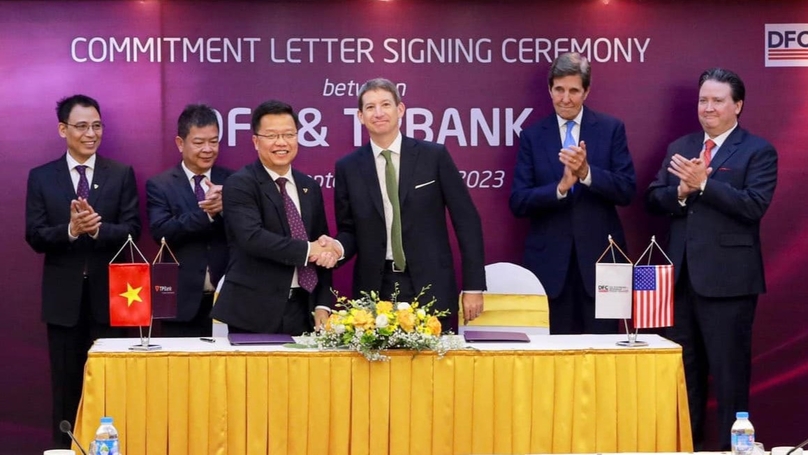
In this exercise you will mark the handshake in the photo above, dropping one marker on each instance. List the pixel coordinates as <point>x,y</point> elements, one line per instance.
<point>325,252</point>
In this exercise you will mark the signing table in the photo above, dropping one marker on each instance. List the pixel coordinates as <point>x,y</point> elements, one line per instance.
<point>556,394</point>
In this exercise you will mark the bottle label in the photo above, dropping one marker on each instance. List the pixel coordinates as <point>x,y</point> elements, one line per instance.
<point>106,447</point>
<point>743,442</point>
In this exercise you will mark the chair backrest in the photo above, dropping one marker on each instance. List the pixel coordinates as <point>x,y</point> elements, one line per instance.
<point>515,301</point>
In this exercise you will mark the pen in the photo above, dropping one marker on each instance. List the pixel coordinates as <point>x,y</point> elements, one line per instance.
<point>208,340</point>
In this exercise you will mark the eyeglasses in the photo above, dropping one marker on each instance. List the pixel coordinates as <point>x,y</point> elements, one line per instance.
<point>275,136</point>
<point>83,127</point>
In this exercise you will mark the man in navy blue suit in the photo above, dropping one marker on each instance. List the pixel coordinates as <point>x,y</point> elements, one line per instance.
<point>572,170</point>
<point>715,185</point>
<point>184,205</point>
<point>79,210</point>
<point>277,277</point>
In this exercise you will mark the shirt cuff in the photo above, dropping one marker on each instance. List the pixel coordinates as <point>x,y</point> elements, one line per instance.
<point>308,253</point>
<point>472,292</point>
<point>561,196</point>
<point>588,179</point>
<point>322,307</point>
<point>69,235</point>
<point>341,248</point>
<point>703,185</point>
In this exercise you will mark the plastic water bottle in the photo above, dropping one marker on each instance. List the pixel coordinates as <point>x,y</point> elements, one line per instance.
<point>106,439</point>
<point>742,435</point>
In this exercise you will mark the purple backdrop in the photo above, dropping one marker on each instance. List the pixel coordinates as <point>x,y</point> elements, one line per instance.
<point>473,76</point>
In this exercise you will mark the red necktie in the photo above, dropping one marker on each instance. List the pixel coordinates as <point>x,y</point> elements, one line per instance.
<point>306,275</point>
<point>708,152</point>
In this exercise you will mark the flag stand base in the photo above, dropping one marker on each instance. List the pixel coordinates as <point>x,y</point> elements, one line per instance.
<point>632,344</point>
<point>145,347</point>
<point>632,341</point>
<point>145,344</point>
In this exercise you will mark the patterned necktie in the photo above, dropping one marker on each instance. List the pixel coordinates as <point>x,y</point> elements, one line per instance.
<point>392,193</point>
<point>306,274</point>
<point>83,188</point>
<point>708,152</point>
<point>198,190</point>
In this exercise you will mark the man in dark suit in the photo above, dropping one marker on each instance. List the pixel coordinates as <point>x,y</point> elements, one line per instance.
<point>715,185</point>
<point>572,170</point>
<point>275,221</point>
<point>79,210</point>
<point>405,240</point>
<point>184,206</point>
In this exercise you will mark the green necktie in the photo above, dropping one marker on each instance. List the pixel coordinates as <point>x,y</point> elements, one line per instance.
<point>392,194</point>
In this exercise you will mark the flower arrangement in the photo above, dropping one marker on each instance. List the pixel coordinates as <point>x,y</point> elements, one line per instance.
<point>370,326</point>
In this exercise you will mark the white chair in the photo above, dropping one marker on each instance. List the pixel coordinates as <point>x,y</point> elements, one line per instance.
<point>219,328</point>
<point>514,302</point>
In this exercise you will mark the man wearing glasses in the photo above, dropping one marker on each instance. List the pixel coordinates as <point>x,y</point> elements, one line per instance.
<point>275,218</point>
<point>79,210</point>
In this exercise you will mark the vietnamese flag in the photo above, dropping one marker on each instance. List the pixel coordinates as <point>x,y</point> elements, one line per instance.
<point>129,295</point>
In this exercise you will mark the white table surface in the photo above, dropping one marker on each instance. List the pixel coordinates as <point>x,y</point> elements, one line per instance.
<point>537,343</point>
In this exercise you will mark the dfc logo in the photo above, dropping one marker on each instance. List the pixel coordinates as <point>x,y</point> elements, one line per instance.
<point>786,44</point>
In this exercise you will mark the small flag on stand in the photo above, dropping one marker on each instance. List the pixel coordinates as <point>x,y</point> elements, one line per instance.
<point>653,296</point>
<point>613,284</point>
<point>165,284</point>
<point>129,295</point>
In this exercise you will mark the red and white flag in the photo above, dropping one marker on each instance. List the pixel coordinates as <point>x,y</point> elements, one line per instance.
<point>653,296</point>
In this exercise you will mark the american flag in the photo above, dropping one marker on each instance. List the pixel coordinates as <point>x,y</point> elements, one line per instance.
<point>653,296</point>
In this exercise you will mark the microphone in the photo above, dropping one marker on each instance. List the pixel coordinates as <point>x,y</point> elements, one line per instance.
<point>65,427</point>
<point>802,444</point>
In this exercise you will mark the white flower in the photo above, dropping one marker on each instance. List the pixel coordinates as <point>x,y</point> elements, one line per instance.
<point>381,321</point>
<point>339,328</point>
<point>403,306</point>
<point>421,313</point>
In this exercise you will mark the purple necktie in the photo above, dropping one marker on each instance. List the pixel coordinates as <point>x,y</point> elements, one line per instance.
<point>83,188</point>
<point>306,274</point>
<point>200,193</point>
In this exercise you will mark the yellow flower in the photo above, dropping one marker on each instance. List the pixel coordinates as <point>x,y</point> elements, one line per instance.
<point>384,307</point>
<point>406,319</point>
<point>363,319</point>
<point>434,325</point>
<point>332,321</point>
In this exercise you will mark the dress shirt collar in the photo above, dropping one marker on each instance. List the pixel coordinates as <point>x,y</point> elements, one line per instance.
<point>274,175</point>
<point>563,122</point>
<point>719,140</point>
<point>72,163</point>
<point>395,147</point>
<point>189,174</point>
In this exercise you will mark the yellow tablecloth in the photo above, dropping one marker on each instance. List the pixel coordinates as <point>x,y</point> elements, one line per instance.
<point>218,400</point>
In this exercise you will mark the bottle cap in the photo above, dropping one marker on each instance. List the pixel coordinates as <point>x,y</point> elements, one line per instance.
<point>106,420</point>
<point>741,415</point>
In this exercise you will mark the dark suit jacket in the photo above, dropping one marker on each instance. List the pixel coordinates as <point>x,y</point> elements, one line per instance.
<point>198,243</point>
<point>587,216</point>
<point>719,231</point>
<point>429,183</point>
<point>263,254</point>
<point>113,195</point>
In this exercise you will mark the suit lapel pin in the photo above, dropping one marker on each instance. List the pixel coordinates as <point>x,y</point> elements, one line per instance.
<point>95,186</point>
<point>305,190</point>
